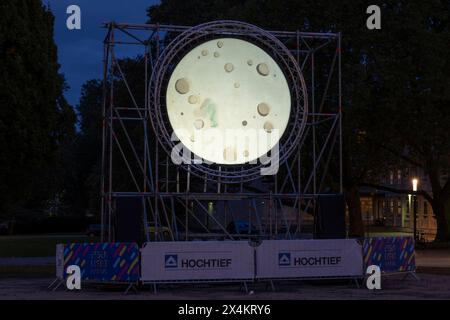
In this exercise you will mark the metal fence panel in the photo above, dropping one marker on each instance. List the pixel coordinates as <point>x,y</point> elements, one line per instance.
<point>391,254</point>
<point>309,259</point>
<point>197,261</point>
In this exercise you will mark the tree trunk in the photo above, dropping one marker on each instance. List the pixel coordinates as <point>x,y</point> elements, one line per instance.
<point>438,206</point>
<point>440,197</point>
<point>352,198</point>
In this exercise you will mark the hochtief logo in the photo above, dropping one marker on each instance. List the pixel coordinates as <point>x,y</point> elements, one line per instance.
<point>284,259</point>
<point>171,261</point>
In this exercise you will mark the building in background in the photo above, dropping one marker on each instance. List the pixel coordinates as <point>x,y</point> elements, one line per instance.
<point>385,212</point>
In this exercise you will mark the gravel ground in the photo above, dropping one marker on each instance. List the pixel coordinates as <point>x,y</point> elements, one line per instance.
<point>430,286</point>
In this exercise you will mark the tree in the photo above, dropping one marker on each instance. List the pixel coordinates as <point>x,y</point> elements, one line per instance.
<point>393,79</point>
<point>82,182</point>
<point>35,119</point>
<point>413,76</point>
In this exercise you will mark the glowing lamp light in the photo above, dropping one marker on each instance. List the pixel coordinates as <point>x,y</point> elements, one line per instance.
<point>415,182</point>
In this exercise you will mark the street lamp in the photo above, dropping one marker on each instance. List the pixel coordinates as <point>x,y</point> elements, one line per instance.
<point>415,182</point>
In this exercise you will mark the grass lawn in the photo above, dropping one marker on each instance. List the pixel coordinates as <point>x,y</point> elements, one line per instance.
<point>386,231</point>
<point>37,245</point>
<point>7,271</point>
<point>389,234</point>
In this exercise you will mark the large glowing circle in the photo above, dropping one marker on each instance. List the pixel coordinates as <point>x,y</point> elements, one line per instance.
<point>228,101</point>
<point>230,86</point>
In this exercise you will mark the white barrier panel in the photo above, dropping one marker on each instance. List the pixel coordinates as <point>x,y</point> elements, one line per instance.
<point>197,260</point>
<point>309,258</point>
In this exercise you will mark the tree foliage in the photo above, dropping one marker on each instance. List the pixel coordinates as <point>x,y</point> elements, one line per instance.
<point>83,188</point>
<point>82,182</point>
<point>394,81</point>
<point>35,119</point>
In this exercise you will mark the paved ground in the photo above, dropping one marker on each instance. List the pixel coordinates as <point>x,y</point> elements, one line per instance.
<point>433,258</point>
<point>434,284</point>
<point>430,286</point>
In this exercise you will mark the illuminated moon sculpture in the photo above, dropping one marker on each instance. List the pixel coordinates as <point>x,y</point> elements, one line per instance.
<point>231,93</point>
<point>222,91</point>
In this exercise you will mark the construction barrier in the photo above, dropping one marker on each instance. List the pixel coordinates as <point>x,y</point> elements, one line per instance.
<point>192,261</point>
<point>104,262</point>
<point>197,261</point>
<point>282,259</point>
<point>391,254</point>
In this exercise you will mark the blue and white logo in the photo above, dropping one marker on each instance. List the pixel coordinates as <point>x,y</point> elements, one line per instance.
<point>171,261</point>
<point>284,259</point>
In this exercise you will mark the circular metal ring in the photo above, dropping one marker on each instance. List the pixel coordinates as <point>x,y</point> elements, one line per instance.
<point>274,47</point>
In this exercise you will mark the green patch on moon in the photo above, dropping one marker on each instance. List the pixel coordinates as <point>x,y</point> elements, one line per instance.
<point>209,109</point>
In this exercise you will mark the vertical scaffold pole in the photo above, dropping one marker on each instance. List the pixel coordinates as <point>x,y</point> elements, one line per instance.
<point>341,188</point>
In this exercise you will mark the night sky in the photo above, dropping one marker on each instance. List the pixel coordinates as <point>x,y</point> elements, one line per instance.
<point>80,52</point>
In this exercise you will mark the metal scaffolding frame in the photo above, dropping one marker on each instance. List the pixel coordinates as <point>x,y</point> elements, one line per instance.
<point>173,198</point>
